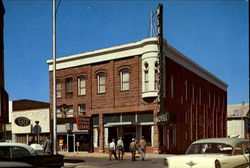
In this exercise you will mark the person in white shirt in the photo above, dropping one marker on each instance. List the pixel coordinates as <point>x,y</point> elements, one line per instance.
<point>120,148</point>
<point>112,149</point>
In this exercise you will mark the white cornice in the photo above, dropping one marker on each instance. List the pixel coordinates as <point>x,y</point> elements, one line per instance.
<point>134,49</point>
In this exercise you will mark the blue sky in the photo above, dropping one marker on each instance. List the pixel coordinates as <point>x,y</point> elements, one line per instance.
<point>214,34</point>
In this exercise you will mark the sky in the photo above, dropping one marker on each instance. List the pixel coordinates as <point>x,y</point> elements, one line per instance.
<point>214,34</point>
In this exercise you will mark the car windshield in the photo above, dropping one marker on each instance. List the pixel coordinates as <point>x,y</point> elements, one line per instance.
<point>210,148</point>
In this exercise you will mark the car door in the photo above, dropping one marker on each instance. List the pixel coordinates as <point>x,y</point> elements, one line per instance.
<point>238,159</point>
<point>5,157</point>
<point>18,156</point>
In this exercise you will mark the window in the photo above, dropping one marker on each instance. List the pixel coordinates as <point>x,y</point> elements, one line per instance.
<point>18,152</point>
<point>156,79</point>
<point>124,74</point>
<point>81,84</point>
<point>186,90</point>
<point>101,82</point>
<point>146,81</point>
<point>81,109</point>
<point>68,85</point>
<point>172,87</point>
<point>70,113</point>
<point>58,88</point>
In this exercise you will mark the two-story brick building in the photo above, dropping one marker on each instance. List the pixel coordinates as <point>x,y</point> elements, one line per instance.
<point>118,88</point>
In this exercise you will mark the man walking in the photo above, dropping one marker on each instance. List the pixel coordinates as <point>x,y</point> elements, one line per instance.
<point>133,148</point>
<point>143,147</point>
<point>112,149</point>
<point>47,146</point>
<point>120,148</point>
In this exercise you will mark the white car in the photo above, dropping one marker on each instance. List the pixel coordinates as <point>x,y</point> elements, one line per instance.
<point>213,153</point>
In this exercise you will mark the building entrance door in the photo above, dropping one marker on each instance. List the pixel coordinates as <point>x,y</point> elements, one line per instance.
<point>129,132</point>
<point>70,143</point>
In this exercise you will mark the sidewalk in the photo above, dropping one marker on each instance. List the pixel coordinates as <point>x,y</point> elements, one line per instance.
<point>106,155</point>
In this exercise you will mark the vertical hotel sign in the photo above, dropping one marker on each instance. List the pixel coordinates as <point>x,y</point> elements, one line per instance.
<point>163,117</point>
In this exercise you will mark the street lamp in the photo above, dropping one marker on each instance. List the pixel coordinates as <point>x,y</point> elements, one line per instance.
<point>64,109</point>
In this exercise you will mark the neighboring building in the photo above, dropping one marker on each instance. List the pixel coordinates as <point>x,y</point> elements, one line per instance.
<point>24,115</point>
<point>3,94</point>
<point>118,88</point>
<point>238,120</point>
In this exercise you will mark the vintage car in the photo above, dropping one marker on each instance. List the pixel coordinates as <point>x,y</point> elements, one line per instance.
<point>213,153</point>
<point>22,155</point>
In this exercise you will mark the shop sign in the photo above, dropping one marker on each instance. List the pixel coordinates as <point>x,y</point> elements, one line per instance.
<point>22,121</point>
<point>164,118</point>
<point>83,122</point>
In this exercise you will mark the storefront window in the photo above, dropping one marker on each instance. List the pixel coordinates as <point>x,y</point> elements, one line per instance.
<point>111,118</point>
<point>82,142</point>
<point>145,117</point>
<point>146,132</point>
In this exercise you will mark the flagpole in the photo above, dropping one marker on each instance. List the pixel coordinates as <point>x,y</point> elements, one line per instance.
<point>54,80</point>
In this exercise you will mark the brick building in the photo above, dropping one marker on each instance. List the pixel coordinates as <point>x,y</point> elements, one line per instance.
<point>3,93</point>
<point>117,88</point>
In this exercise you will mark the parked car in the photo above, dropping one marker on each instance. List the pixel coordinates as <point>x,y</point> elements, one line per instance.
<point>213,153</point>
<point>22,155</point>
<point>38,148</point>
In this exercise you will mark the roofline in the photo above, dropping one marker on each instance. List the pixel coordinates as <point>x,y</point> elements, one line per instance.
<point>134,49</point>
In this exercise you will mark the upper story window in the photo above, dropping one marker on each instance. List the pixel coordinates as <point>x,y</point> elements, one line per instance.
<point>58,88</point>
<point>124,74</point>
<point>81,85</point>
<point>81,109</point>
<point>68,85</point>
<point>101,82</point>
<point>146,80</point>
<point>186,90</point>
<point>172,87</point>
<point>156,75</point>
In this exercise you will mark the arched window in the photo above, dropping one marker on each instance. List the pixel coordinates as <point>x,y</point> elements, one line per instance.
<point>101,82</point>
<point>68,85</point>
<point>124,74</point>
<point>81,85</point>
<point>146,79</point>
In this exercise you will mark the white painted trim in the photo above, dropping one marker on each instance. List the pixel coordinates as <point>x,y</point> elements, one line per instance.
<point>134,49</point>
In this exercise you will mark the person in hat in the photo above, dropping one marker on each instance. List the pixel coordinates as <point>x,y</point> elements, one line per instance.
<point>143,147</point>
<point>133,147</point>
<point>120,148</point>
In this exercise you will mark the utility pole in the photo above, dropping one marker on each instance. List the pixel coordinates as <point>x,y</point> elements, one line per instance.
<point>54,80</point>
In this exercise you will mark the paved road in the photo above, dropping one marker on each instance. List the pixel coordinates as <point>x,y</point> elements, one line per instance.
<point>93,162</point>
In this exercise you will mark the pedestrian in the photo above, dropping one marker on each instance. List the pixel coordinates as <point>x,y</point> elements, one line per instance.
<point>47,146</point>
<point>120,148</point>
<point>112,149</point>
<point>61,143</point>
<point>133,147</point>
<point>143,148</point>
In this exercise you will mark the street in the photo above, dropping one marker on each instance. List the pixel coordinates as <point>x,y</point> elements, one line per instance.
<point>94,162</point>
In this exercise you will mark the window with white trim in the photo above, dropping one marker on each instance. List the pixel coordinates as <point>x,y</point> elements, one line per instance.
<point>124,75</point>
<point>101,82</point>
<point>70,113</point>
<point>146,81</point>
<point>58,88</point>
<point>81,109</point>
<point>81,84</point>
